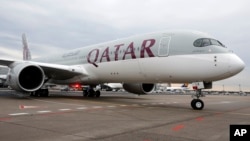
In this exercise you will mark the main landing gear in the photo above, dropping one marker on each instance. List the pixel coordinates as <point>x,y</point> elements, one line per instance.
<point>40,92</point>
<point>196,103</point>
<point>91,92</point>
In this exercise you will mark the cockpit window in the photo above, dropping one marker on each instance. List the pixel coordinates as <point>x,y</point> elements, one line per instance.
<point>198,43</point>
<point>203,42</point>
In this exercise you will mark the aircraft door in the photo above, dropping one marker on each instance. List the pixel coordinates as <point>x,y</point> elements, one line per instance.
<point>164,46</point>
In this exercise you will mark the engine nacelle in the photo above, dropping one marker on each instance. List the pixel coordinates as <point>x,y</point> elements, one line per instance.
<point>139,88</point>
<point>25,77</point>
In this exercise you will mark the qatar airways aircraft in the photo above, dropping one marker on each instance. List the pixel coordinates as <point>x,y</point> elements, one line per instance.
<point>138,62</point>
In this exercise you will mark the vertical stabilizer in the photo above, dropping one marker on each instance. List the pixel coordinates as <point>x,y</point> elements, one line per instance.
<point>26,51</point>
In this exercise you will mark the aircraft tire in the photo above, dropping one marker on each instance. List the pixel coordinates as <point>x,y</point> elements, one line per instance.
<point>36,94</point>
<point>91,93</point>
<point>97,93</point>
<point>197,104</point>
<point>46,93</point>
<point>85,93</point>
<point>32,94</point>
<point>192,103</point>
<point>43,92</point>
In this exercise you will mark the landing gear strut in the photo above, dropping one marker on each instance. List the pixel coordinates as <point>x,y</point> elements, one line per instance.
<point>90,92</point>
<point>196,103</point>
<point>40,92</point>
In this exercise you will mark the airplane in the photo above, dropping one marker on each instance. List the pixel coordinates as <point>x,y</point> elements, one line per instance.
<point>182,88</point>
<point>138,62</point>
<point>3,76</point>
<point>26,56</point>
<point>112,86</point>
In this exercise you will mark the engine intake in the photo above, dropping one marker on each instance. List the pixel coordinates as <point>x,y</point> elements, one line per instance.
<point>139,88</point>
<point>26,77</point>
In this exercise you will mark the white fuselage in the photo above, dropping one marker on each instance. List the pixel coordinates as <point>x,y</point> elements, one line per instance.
<point>152,58</point>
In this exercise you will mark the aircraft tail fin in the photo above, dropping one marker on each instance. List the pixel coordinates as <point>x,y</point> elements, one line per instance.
<point>26,51</point>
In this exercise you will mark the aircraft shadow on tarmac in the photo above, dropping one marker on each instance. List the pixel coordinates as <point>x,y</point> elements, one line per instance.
<point>110,98</point>
<point>58,95</point>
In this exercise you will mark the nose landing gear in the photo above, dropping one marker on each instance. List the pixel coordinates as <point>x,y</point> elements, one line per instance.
<point>196,103</point>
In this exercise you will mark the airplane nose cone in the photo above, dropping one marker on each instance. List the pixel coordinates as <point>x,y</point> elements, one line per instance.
<point>236,65</point>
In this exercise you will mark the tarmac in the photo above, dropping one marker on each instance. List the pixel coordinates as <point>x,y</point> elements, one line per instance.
<point>119,116</point>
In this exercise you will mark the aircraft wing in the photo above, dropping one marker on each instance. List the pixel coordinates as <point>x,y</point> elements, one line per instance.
<point>6,62</point>
<point>61,72</point>
<point>3,77</point>
<point>54,71</point>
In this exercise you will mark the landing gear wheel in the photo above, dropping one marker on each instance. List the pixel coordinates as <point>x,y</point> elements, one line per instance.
<point>32,93</point>
<point>85,93</point>
<point>97,94</point>
<point>197,104</point>
<point>45,93</point>
<point>40,93</point>
<point>91,93</point>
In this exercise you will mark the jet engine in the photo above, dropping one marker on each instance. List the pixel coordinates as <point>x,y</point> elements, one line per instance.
<point>25,77</point>
<point>139,88</point>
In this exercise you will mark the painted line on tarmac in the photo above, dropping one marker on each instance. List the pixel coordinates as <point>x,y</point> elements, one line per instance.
<point>81,108</point>
<point>123,105</point>
<point>62,103</point>
<point>18,114</point>
<point>97,107</point>
<point>135,105</point>
<point>178,127</point>
<point>111,106</point>
<point>239,114</point>
<point>21,107</point>
<point>42,112</point>
<point>65,109</point>
<point>5,119</point>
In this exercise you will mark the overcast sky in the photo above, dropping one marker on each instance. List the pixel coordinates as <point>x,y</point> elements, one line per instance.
<point>55,25</point>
